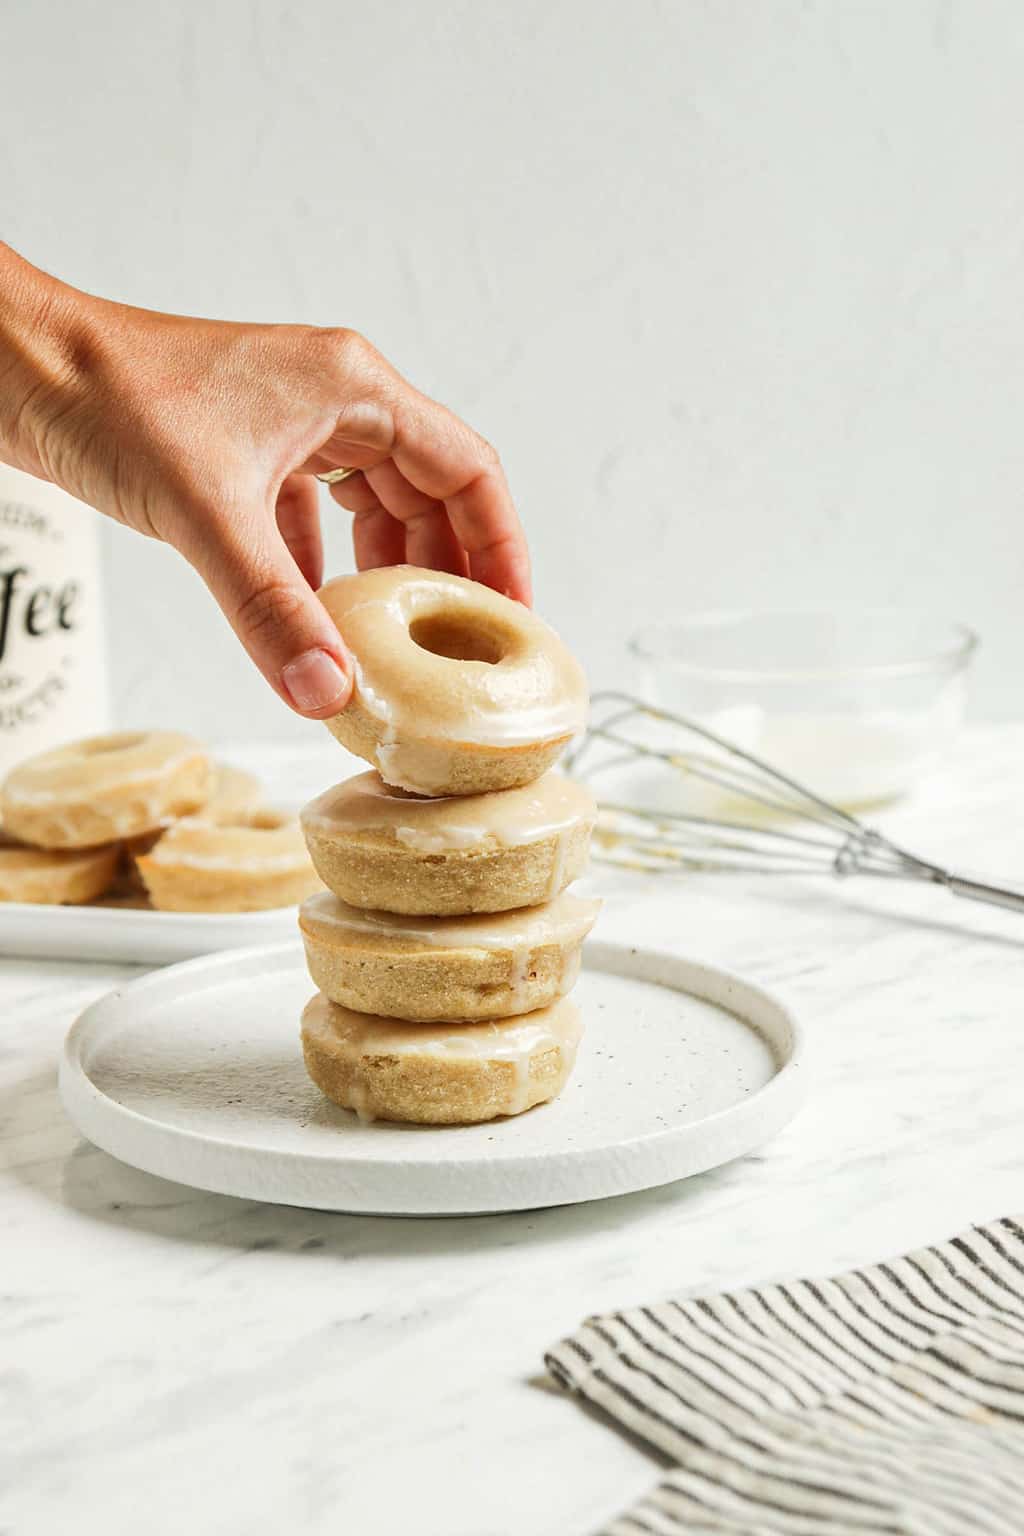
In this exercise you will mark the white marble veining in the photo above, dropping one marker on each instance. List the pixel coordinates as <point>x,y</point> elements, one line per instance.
<point>179,1361</point>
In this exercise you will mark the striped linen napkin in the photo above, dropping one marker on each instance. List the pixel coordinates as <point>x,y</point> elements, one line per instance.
<point>890,1399</point>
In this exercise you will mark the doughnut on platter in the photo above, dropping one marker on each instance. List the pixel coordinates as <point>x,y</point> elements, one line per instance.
<point>122,928</point>
<point>192,1074</point>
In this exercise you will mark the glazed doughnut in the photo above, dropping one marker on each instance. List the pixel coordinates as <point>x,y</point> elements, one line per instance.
<point>453,1074</point>
<point>241,866</point>
<point>458,690</point>
<point>456,968</point>
<point>375,846</point>
<point>234,793</point>
<point>105,788</point>
<point>53,877</point>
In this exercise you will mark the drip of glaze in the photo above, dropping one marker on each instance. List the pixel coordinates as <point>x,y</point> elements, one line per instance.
<point>552,806</point>
<point>508,1039</point>
<point>520,1096</point>
<point>452,840</point>
<point>564,919</point>
<point>360,1100</point>
<point>512,1041</point>
<point>519,972</point>
<point>571,961</point>
<point>558,858</point>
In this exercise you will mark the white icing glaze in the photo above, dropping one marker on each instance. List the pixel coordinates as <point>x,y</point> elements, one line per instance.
<point>82,769</point>
<point>271,843</point>
<point>558,868</point>
<point>395,763</point>
<point>19,794</point>
<point>276,864</point>
<point>452,839</point>
<point>120,820</point>
<point>572,959</point>
<point>234,792</point>
<point>566,919</point>
<point>437,687</point>
<point>552,806</point>
<point>514,1039</point>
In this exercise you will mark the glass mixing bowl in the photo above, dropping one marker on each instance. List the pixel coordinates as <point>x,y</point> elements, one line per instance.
<point>858,703</point>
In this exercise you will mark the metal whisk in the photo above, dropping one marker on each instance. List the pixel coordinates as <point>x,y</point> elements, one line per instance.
<point>803,834</point>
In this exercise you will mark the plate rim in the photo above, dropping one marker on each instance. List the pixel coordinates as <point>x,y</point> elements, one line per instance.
<point>774,1102</point>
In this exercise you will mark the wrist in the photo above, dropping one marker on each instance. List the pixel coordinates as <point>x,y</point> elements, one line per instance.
<point>43,330</point>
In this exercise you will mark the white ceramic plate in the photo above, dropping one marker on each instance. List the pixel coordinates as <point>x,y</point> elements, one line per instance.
<point>195,1073</point>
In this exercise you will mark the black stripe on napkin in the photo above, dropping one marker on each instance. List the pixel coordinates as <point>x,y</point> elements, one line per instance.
<point>885,1402</point>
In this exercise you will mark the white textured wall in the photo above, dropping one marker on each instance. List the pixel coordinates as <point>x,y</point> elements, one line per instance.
<point>735,287</point>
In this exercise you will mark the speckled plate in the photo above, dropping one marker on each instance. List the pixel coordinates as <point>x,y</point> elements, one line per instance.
<point>195,1073</point>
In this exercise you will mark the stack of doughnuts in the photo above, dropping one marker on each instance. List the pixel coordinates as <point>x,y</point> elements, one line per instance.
<point>446,943</point>
<point>146,817</point>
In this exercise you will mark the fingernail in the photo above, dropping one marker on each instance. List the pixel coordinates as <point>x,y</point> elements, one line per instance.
<point>314,680</point>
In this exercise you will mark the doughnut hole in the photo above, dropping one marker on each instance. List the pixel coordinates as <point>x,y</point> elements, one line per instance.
<point>461,637</point>
<point>263,820</point>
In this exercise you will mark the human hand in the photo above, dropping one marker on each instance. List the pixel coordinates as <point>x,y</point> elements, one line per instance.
<point>206,434</point>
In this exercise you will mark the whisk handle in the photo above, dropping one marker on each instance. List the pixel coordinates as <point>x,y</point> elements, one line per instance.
<point>985,890</point>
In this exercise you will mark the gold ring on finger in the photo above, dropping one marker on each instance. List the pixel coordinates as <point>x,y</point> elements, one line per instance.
<point>335,476</point>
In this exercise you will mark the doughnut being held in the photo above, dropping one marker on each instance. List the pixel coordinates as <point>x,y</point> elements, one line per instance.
<point>458,690</point>
<point>457,968</point>
<point>444,1074</point>
<point>105,788</point>
<point>379,847</point>
<point>242,866</point>
<point>54,877</point>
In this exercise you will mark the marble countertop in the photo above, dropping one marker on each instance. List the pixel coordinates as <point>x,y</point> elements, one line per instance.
<point>178,1361</point>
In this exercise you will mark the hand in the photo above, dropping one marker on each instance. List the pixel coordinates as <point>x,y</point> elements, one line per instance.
<point>206,434</point>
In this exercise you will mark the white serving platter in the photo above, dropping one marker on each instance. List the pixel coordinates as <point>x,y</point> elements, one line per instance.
<point>195,1074</point>
<point>135,935</point>
<point>118,931</point>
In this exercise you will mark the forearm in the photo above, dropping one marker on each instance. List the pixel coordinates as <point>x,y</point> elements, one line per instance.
<point>43,333</point>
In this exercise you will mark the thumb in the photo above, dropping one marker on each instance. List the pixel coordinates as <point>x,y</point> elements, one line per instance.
<point>280,621</point>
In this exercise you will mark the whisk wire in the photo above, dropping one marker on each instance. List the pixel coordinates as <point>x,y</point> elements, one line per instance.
<point>796,830</point>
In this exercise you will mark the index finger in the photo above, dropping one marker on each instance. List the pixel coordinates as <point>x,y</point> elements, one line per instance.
<point>449,462</point>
